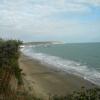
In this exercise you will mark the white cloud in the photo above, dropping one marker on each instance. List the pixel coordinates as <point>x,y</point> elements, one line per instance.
<point>90,2</point>
<point>33,15</point>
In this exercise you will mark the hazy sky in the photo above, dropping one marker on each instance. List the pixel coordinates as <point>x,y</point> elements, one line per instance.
<point>34,20</point>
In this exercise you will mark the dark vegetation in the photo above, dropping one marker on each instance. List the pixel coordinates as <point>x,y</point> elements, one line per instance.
<point>82,94</point>
<point>9,54</point>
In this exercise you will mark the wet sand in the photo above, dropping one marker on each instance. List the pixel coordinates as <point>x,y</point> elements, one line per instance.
<point>42,81</point>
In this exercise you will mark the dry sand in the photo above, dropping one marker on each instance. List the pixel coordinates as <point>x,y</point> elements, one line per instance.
<point>42,81</point>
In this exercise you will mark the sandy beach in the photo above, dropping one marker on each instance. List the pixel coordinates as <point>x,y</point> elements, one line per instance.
<point>42,81</point>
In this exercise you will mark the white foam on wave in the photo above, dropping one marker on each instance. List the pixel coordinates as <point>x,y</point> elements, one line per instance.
<point>68,66</point>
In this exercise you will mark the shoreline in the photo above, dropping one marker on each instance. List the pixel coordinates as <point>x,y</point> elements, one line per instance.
<point>42,81</point>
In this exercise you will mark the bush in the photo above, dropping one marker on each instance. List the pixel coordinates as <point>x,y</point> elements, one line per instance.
<point>9,54</point>
<point>83,94</point>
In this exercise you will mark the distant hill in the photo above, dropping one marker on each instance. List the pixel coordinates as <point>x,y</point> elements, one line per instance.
<point>43,43</point>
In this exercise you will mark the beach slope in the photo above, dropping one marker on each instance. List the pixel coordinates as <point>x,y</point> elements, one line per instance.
<point>42,81</point>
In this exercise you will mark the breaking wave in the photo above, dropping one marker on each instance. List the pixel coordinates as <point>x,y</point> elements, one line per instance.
<point>64,65</point>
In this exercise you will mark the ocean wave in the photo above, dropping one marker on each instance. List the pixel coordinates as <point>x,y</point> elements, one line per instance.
<point>64,65</point>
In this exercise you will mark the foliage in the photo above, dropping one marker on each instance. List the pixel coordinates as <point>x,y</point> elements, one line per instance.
<point>83,94</point>
<point>9,54</point>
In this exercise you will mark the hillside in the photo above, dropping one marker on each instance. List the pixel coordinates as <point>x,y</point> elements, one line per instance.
<point>43,42</point>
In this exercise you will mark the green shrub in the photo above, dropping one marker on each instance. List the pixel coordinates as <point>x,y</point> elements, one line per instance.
<point>82,94</point>
<point>9,55</point>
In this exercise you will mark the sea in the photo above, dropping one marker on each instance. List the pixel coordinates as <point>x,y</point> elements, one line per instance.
<point>81,59</point>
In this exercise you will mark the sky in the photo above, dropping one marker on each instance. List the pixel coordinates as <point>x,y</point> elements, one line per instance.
<point>47,20</point>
